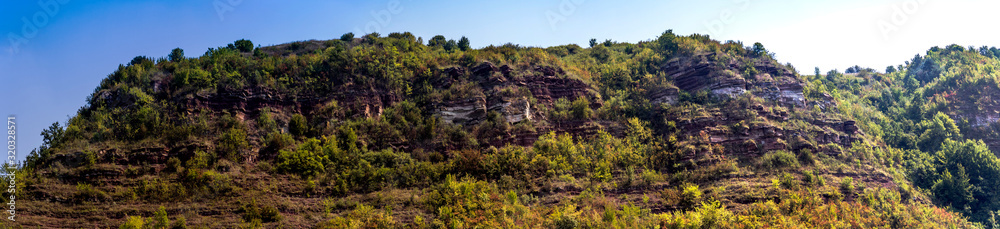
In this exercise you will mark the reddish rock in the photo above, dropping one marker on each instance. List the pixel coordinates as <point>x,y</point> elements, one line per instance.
<point>485,68</point>
<point>454,72</point>
<point>549,71</point>
<point>506,69</point>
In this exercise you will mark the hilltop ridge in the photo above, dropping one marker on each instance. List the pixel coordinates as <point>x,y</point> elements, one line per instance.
<point>390,132</point>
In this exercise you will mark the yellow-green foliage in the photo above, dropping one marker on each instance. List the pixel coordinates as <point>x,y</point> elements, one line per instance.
<point>477,204</point>
<point>363,216</point>
<point>134,222</point>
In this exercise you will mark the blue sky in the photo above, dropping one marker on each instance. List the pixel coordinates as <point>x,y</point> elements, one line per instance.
<point>53,55</point>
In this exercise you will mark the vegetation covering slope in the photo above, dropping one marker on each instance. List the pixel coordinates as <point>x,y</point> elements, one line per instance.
<point>389,132</point>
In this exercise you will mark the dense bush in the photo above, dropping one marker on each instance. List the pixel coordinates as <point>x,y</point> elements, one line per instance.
<point>243,45</point>
<point>307,160</point>
<point>195,78</point>
<point>780,159</point>
<point>347,37</point>
<point>232,143</point>
<point>253,211</point>
<point>298,125</point>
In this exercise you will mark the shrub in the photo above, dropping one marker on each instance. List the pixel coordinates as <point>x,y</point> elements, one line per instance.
<point>297,125</point>
<point>206,182</point>
<point>134,222</point>
<point>581,108</point>
<point>180,223</point>
<point>277,141</point>
<point>601,53</point>
<point>778,160</point>
<point>707,215</point>
<point>90,158</point>
<point>252,211</point>
<point>86,192</point>
<point>174,165</point>
<point>363,216</point>
<point>371,37</point>
<point>161,191</point>
<point>266,122</point>
<point>690,196</point>
<point>160,220</point>
<point>347,37</point>
<point>807,157</point>
<point>813,179</point>
<point>196,78</point>
<point>307,160</point>
<point>788,181</point>
<point>200,160</point>
<point>232,142</point>
<point>847,185</point>
<point>387,158</point>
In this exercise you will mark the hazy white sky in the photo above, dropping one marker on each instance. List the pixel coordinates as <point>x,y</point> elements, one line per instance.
<point>69,46</point>
<point>880,33</point>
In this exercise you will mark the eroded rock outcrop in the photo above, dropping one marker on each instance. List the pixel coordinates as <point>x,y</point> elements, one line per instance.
<point>666,95</point>
<point>546,84</point>
<point>463,111</point>
<point>724,78</point>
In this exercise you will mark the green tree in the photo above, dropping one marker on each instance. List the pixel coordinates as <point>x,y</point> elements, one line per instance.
<point>450,45</point>
<point>176,55</point>
<point>668,42</point>
<point>347,37</point>
<point>307,160</point>
<point>817,72</point>
<point>463,43</point>
<point>244,45</point>
<point>371,37</point>
<point>758,49</point>
<point>195,77</point>
<point>975,169</point>
<point>438,40</point>
<point>954,190</point>
<point>52,136</point>
<point>581,108</point>
<point>601,53</point>
<point>593,42</point>
<point>936,131</point>
<point>141,60</point>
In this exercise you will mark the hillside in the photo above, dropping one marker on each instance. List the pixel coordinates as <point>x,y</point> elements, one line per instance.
<point>393,132</point>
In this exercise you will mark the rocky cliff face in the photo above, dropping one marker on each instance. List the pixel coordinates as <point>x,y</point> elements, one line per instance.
<point>544,84</point>
<point>978,112</point>
<point>724,77</point>
<point>742,127</point>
